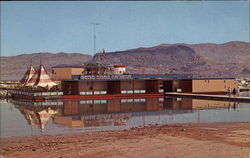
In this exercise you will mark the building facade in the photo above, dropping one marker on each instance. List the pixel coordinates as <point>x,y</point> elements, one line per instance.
<point>212,85</point>
<point>65,72</point>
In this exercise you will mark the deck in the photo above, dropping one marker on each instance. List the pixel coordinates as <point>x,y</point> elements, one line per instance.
<point>208,96</point>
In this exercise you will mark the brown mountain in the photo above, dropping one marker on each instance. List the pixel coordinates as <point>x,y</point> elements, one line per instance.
<point>14,67</point>
<point>159,59</point>
<point>203,59</point>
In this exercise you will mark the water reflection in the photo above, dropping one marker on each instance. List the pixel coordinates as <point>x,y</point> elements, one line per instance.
<point>53,117</point>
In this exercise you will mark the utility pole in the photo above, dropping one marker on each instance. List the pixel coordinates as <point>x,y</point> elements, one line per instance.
<point>94,26</point>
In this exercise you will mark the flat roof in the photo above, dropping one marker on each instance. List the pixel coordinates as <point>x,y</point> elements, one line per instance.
<point>68,66</point>
<point>77,66</point>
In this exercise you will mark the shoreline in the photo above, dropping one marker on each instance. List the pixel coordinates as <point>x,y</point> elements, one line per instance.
<point>192,140</point>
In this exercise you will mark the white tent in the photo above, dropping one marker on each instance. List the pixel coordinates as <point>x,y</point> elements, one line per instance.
<point>41,79</point>
<point>28,75</point>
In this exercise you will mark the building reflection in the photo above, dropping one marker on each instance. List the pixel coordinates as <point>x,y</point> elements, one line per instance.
<point>192,104</point>
<point>108,112</point>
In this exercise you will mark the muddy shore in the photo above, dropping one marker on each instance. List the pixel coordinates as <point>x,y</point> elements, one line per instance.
<point>221,140</point>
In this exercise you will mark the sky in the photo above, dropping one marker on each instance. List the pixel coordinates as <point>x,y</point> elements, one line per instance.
<point>64,26</point>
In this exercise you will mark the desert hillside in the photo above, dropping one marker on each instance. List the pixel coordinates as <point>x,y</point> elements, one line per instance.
<point>205,59</point>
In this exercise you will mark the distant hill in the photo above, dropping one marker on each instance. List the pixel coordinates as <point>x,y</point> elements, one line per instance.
<point>205,59</point>
<point>245,73</point>
<point>14,67</point>
<point>160,59</point>
<point>202,59</point>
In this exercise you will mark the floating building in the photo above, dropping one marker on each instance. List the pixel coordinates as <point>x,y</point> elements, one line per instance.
<point>95,80</point>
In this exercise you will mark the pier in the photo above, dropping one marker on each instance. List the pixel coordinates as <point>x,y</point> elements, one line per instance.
<point>208,96</point>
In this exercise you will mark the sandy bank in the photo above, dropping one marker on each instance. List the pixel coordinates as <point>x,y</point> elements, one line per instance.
<point>178,141</point>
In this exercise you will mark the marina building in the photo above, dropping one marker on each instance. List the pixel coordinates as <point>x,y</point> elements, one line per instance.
<point>91,80</point>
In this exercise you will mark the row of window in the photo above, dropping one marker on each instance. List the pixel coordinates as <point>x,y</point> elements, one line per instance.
<point>132,91</point>
<point>93,92</point>
<point>208,81</point>
<point>122,101</point>
<point>133,100</point>
<point>114,76</point>
<point>122,92</point>
<point>93,101</point>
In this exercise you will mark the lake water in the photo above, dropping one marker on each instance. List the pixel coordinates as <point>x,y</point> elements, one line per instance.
<point>24,118</point>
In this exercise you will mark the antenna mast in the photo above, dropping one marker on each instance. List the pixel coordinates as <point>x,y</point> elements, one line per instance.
<point>99,60</point>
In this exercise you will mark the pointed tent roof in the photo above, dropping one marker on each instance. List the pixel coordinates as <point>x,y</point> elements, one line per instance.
<point>28,75</point>
<point>33,79</point>
<point>41,79</point>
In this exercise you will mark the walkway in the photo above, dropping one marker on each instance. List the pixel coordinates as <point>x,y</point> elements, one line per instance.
<point>208,96</point>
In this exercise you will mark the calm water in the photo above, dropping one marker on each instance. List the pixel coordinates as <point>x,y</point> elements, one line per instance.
<point>22,118</point>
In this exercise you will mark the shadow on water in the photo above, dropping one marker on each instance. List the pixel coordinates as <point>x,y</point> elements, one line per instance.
<point>26,118</point>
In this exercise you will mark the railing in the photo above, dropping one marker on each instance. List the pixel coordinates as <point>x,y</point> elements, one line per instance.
<point>35,94</point>
<point>101,77</point>
<point>28,103</point>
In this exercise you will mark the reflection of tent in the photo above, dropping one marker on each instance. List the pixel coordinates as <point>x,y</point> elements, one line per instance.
<point>44,116</point>
<point>39,118</point>
<point>41,79</point>
<point>28,75</point>
<point>30,116</point>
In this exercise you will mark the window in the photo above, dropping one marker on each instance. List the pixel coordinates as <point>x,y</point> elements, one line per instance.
<point>89,93</point>
<point>142,91</point>
<point>103,92</point>
<point>161,99</point>
<point>123,92</point>
<point>136,91</point>
<point>82,93</point>
<point>97,92</point>
<point>161,90</point>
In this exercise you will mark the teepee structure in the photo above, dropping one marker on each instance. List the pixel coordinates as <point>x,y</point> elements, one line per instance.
<point>28,75</point>
<point>41,79</point>
<point>32,81</point>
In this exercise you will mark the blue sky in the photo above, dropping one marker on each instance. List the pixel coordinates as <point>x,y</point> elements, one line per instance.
<point>64,26</point>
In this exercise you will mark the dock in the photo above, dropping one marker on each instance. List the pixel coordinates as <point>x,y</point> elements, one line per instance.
<point>208,96</point>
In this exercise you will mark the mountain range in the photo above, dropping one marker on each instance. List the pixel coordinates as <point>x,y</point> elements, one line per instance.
<point>206,59</point>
